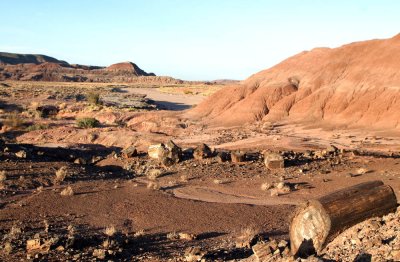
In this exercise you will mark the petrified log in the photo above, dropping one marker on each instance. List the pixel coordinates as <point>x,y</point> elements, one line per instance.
<point>317,222</point>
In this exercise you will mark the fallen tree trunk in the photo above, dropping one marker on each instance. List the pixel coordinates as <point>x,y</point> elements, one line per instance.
<point>317,222</point>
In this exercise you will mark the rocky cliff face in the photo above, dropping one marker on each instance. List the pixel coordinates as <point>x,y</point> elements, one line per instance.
<point>354,85</point>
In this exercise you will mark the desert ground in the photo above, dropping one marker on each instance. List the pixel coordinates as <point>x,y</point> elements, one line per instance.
<point>180,171</point>
<point>160,212</point>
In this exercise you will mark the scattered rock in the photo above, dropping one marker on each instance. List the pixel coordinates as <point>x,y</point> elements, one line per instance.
<point>273,160</point>
<point>202,151</point>
<point>154,173</point>
<point>99,253</point>
<point>21,154</point>
<point>262,251</point>
<point>238,157</point>
<point>129,152</point>
<point>193,254</point>
<point>80,161</point>
<point>174,151</point>
<point>223,157</point>
<point>187,236</point>
<point>47,110</point>
<point>157,151</point>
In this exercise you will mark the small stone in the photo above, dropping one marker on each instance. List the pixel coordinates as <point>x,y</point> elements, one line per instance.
<point>193,254</point>
<point>238,157</point>
<point>262,251</point>
<point>274,192</point>
<point>273,160</point>
<point>202,151</point>
<point>129,152</point>
<point>187,236</point>
<point>80,161</point>
<point>223,157</point>
<point>157,151</point>
<point>99,253</point>
<point>21,154</point>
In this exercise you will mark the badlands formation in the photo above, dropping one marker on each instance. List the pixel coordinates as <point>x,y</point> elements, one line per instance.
<point>299,162</point>
<point>356,85</point>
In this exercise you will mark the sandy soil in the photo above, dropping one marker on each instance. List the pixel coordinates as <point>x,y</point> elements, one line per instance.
<point>169,101</point>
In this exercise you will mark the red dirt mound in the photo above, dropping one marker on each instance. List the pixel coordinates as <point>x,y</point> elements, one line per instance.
<point>128,67</point>
<point>356,85</point>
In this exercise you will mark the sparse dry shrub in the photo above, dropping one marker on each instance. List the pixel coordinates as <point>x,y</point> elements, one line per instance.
<point>188,92</point>
<point>87,122</point>
<point>67,191</point>
<point>246,236</point>
<point>61,174</point>
<point>37,127</point>
<point>93,98</point>
<point>110,230</point>
<point>14,120</point>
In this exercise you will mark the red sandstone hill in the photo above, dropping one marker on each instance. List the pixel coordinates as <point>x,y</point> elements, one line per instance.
<point>354,85</point>
<point>128,67</point>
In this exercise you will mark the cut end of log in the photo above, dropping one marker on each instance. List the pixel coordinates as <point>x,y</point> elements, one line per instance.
<point>318,221</point>
<point>309,229</point>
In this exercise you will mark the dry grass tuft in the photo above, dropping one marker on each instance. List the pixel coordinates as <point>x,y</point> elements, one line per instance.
<point>87,122</point>
<point>61,174</point>
<point>14,120</point>
<point>67,191</point>
<point>93,98</point>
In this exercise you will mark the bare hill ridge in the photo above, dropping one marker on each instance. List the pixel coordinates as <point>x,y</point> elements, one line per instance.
<point>45,68</point>
<point>354,85</point>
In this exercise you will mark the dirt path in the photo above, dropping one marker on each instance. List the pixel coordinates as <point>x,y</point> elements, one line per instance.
<point>174,102</point>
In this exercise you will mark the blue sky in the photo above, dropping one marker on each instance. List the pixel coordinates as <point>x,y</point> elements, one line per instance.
<point>190,39</point>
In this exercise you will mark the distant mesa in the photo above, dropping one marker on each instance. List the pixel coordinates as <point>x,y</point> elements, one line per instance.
<point>28,67</point>
<point>14,59</point>
<point>128,67</point>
